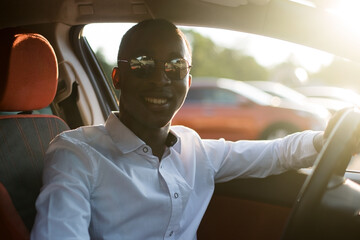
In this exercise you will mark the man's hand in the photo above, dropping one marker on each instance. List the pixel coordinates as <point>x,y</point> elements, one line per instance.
<point>319,141</point>
<point>321,138</point>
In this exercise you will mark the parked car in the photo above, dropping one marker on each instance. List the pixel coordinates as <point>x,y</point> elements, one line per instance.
<point>279,90</point>
<point>288,94</point>
<point>234,110</point>
<point>333,98</point>
<point>322,203</point>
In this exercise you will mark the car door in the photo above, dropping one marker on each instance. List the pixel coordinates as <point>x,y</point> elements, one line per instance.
<point>251,209</point>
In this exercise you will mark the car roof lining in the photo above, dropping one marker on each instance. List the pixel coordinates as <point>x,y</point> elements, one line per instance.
<point>282,19</point>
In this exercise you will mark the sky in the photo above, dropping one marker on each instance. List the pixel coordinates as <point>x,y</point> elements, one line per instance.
<point>267,52</point>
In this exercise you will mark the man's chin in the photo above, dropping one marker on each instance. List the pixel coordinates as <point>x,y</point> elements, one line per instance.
<point>161,123</point>
<point>159,120</point>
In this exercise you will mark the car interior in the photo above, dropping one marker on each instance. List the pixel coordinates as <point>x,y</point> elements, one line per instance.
<point>51,81</point>
<point>25,136</point>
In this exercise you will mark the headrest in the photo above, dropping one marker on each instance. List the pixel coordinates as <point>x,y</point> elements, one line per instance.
<point>28,72</point>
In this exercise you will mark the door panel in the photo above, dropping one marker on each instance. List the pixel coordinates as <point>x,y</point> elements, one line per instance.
<point>235,218</point>
<point>254,209</point>
<point>251,208</point>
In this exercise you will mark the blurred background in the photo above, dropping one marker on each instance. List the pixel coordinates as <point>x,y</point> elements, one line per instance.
<point>241,56</point>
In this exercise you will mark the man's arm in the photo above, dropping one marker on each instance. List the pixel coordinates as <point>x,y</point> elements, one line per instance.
<point>259,159</point>
<point>63,206</point>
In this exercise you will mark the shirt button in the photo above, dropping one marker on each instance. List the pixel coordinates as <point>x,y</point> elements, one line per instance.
<point>171,233</point>
<point>176,195</point>
<point>145,149</point>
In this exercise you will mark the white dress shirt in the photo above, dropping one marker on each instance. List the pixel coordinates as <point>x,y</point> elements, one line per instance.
<point>102,182</point>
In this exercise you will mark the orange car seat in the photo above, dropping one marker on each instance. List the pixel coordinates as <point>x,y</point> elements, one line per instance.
<point>28,81</point>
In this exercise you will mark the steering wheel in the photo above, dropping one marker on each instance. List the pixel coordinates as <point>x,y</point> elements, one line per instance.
<point>328,174</point>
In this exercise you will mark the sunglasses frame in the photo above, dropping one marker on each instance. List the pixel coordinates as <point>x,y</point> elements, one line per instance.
<point>147,74</point>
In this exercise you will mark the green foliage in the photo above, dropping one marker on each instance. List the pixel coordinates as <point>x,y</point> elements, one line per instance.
<point>209,60</point>
<point>105,65</point>
<point>107,70</point>
<point>212,60</point>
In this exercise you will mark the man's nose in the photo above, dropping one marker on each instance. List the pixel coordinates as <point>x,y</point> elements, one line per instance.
<point>159,77</point>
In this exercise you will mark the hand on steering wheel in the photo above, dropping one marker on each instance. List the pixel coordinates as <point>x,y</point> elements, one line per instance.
<point>341,139</point>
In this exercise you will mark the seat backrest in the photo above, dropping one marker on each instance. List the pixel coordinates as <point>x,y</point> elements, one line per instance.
<point>28,81</point>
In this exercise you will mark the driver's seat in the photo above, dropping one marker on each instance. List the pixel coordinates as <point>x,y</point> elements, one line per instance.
<point>28,82</point>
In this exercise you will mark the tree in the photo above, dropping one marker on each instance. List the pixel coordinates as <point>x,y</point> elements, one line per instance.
<point>212,60</point>
<point>107,68</point>
<point>105,64</point>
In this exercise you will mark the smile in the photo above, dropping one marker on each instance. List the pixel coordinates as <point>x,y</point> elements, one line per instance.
<point>158,101</point>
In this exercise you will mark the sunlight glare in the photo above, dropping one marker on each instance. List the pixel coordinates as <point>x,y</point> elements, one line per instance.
<point>301,74</point>
<point>305,3</point>
<point>348,12</point>
<point>268,51</point>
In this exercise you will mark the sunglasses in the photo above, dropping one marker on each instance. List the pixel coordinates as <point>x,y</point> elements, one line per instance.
<point>144,67</point>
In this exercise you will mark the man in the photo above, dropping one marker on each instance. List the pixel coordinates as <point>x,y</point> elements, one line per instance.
<point>138,177</point>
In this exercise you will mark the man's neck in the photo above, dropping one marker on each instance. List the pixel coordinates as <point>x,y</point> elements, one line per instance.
<point>152,136</point>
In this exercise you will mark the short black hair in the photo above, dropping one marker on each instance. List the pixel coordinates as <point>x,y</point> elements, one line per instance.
<point>157,23</point>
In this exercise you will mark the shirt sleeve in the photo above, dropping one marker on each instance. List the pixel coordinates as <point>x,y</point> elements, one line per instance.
<point>260,159</point>
<point>63,206</point>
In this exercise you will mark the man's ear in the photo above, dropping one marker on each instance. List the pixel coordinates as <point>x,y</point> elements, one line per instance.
<point>116,77</point>
<point>189,81</point>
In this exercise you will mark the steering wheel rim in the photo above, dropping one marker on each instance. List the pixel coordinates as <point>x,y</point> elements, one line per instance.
<point>331,161</point>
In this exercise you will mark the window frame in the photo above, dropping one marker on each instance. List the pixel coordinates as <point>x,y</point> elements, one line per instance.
<point>107,99</point>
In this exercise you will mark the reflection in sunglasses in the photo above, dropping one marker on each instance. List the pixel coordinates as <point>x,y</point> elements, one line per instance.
<point>144,66</point>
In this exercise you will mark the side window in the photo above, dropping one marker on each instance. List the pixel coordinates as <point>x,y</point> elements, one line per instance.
<point>104,39</point>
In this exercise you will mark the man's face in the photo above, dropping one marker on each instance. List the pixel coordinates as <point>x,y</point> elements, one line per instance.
<point>154,100</point>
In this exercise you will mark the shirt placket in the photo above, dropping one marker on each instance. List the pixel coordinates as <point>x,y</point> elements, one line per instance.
<point>176,202</point>
<point>146,153</point>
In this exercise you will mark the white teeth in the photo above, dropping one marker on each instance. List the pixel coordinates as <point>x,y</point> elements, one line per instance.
<point>156,100</point>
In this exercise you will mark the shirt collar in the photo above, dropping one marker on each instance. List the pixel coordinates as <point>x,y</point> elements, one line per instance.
<point>127,141</point>
<point>171,140</point>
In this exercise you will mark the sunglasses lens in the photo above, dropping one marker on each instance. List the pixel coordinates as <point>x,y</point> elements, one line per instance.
<point>142,66</point>
<point>176,69</point>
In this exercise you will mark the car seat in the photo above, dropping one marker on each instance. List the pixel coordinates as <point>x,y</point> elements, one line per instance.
<point>28,81</point>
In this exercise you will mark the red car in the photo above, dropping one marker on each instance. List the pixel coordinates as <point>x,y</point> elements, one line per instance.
<point>230,109</point>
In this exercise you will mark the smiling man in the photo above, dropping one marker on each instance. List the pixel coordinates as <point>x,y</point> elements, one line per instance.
<point>138,177</point>
<point>153,76</point>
